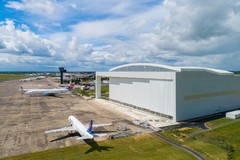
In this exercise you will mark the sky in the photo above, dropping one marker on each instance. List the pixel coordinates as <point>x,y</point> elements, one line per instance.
<point>97,35</point>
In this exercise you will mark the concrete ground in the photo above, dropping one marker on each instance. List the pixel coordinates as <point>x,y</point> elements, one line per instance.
<point>142,116</point>
<point>25,118</point>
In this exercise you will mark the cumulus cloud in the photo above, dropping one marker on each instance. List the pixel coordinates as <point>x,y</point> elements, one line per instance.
<point>186,33</point>
<point>21,48</point>
<point>17,41</point>
<point>204,31</point>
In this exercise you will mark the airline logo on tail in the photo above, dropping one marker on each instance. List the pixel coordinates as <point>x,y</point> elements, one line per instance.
<point>70,87</point>
<point>90,127</point>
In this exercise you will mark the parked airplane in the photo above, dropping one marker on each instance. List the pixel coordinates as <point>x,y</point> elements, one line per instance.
<point>32,78</point>
<point>46,92</point>
<point>77,126</point>
<point>26,79</point>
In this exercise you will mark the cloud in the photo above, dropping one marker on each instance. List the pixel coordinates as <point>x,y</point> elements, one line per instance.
<point>34,6</point>
<point>194,30</point>
<point>23,42</point>
<point>68,11</point>
<point>174,33</point>
<point>21,49</point>
<point>39,26</point>
<point>98,29</point>
<point>2,45</point>
<point>119,27</point>
<point>100,35</point>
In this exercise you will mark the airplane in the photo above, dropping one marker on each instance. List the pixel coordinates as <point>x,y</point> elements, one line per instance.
<point>26,79</point>
<point>32,78</point>
<point>83,130</point>
<point>46,92</point>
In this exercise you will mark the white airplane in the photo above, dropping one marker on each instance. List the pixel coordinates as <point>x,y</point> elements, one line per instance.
<point>46,92</point>
<point>32,78</point>
<point>26,79</point>
<point>83,130</point>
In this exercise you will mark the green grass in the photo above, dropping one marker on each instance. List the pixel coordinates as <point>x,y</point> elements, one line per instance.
<point>140,147</point>
<point>82,92</point>
<point>105,89</point>
<point>220,142</point>
<point>11,76</point>
<point>221,121</point>
<point>208,150</point>
<point>226,137</point>
<point>104,92</point>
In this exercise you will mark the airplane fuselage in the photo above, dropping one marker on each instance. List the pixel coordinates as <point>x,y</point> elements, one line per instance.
<point>84,130</point>
<point>42,91</point>
<point>80,128</point>
<point>46,92</point>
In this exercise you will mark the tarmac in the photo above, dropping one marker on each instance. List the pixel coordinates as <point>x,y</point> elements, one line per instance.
<point>24,118</point>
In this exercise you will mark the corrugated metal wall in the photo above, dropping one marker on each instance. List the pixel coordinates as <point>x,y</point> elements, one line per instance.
<point>202,93</point>
<point>154,95</point>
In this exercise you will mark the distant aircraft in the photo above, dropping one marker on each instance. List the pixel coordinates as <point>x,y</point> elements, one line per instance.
<point>32,78</point>
<point>77,126</point>
<point>46,92</point>
<point>41,77</point>
<point>26,79</point>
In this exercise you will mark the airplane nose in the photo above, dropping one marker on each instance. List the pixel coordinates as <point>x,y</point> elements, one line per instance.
<point>70,118</point>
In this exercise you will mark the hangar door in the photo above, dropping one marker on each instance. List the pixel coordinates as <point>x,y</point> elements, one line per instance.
<point>154,95</point>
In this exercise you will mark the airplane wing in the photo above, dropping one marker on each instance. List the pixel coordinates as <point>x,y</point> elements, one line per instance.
<point>98,135</point>
<point>61,129</point>
<point>101,125</point>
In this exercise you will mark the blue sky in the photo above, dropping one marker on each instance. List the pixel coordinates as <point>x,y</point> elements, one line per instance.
<point>91,35</point>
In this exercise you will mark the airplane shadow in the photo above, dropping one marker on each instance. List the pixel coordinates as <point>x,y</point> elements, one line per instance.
<point>76,134</point>
<point>50,95</point>
<point>95,146</point>
<point>55,96</point>
<point>90,142</point>
<point>65,137</point>
<point>103,131</point>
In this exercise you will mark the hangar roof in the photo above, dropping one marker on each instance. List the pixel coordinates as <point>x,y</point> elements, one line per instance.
<point>144,67</point>
<point>149,67</point>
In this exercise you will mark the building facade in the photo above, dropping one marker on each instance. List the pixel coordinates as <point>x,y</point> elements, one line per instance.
<point>178,93</point>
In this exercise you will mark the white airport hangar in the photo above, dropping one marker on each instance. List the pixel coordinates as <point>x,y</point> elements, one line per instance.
<point>178,93</point>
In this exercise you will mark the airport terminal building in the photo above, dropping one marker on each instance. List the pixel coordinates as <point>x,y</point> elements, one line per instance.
<point>178,93</point>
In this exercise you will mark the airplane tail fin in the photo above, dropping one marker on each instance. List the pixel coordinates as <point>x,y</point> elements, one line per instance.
<point>70,87</point>
<point>90,126</point>
<point>21,89</point>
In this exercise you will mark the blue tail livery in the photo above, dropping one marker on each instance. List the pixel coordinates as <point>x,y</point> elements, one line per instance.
<point>90,126</point>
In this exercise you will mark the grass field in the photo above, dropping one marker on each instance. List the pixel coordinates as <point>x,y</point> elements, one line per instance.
<point>104,92</point>
<point>220,142</point>
<point>140,147</point>
<point>4,77</point>
<point>219,122</point>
